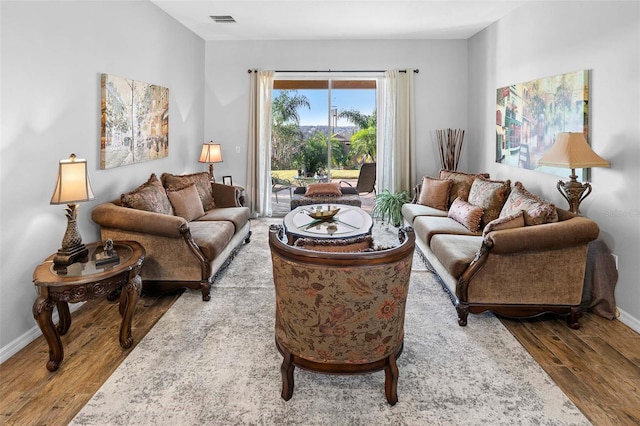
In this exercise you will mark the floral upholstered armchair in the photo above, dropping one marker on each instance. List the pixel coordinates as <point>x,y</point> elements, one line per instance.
<point>340,312</point>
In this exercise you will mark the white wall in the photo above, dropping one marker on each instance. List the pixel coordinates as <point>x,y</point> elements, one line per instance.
<point>548,38</point>
<point>440,87</point>
<point>52,56</point>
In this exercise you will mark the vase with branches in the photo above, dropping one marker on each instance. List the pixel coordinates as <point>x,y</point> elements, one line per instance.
<point>450,147</point>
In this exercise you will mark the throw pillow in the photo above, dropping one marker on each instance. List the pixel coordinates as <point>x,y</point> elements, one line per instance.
<point>515,220</point>
<point>202,181</point>
<point>536,211</point>
<point>150,196</point>
<point>186,202</point>
<point>323,189</point>
<point>490,195</point>
<point>355,244</point>
<point>461,183</point>
<point>466,214</point>
<point>435,193</point>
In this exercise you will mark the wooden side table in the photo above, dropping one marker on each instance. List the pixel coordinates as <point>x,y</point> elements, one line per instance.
<point>83,281</point>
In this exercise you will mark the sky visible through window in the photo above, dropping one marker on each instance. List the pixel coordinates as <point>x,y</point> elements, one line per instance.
<point>363,100</point>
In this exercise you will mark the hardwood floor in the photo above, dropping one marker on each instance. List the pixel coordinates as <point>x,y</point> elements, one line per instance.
<point>597,366</point>
<point>31,395</point>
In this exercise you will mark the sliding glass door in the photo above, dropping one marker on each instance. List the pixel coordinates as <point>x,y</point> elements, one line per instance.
<point>322,127</point>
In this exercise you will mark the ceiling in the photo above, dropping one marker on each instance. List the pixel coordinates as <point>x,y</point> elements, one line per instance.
<point>338,19</point>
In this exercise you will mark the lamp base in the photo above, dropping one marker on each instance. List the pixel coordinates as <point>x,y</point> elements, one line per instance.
<point>574,192</point>
<point>69,255</point>
<point>72,249</point>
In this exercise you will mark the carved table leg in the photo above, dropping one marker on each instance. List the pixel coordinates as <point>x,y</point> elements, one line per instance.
<point>64,317</point>
<point>42,312</point>
<point>128,300</point>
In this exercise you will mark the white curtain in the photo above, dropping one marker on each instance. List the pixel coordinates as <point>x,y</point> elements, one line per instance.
<point>396,131</point>
<point>259,153</point>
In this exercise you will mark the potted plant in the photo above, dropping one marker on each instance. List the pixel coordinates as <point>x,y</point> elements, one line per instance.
<point>389,206</point>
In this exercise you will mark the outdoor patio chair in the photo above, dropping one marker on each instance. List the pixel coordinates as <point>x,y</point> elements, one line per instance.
<point>366,179</point>
<point>278,185</point>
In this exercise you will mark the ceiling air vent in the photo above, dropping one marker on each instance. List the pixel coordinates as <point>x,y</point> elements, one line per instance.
<point>223,19</point>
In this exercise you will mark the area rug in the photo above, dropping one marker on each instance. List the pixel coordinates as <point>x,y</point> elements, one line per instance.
<point>215,363</point>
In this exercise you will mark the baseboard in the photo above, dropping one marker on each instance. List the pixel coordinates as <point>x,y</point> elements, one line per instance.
<point>32,334</point>
<point>632,322</point>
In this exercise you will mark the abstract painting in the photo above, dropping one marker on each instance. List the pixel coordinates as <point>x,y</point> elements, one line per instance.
<point>134,122</point>
<point>530,115</point>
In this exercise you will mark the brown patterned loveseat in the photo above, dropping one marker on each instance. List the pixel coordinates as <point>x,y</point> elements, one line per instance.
<point>500,248</point>
<point>340,312</point>
<point>189,227</point>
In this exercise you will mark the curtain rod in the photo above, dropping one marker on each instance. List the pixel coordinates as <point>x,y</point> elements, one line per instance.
<point>416,71</point>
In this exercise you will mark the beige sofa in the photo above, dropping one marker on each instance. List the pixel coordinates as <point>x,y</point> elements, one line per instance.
<point>189,227</point>
<point>527,260</point>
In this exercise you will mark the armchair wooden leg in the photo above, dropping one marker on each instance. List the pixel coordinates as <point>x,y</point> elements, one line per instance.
<point>463,313</point>
<point>287,375</point>
<point>391,380</point>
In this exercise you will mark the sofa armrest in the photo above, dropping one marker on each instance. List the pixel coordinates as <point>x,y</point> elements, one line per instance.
<point>111,215</point>
<point>227,195</point>
<point>549,236</point>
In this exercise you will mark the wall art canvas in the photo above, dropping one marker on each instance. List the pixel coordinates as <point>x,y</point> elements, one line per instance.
<point>530,115</point>
<point>134,122</point>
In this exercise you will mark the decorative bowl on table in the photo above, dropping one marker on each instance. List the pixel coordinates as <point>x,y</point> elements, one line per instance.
<point>323,214</point>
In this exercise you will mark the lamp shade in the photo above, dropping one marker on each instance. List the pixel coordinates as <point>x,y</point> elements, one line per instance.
<point>73,184</point>
<point>572,151</point>
<point>211,153</point>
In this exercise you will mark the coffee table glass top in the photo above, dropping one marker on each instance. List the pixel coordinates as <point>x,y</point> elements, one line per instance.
<point>348,222</point>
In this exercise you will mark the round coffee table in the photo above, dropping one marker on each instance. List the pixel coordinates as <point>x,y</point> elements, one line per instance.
<point>350,221</point>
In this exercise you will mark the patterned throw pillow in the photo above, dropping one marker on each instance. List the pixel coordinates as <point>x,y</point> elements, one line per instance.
<point>186,202</point>
<point>435,193</point>
<point>515,220</point>
<point>536,211</point>
<point>461,183</point>
<point>202,181</point>
<point>466,214</point>
<point>490,195</point>
<point>150,196</point>
<point>323,189</point>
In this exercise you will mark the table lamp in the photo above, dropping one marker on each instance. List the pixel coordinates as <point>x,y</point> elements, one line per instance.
<point>572,151</point>
<point>73,186</point>
<point>211,153</point>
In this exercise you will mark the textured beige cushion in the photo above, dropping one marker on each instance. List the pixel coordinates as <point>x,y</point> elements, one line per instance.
<point>466,214</point>
<point>201,180</point>
<point>239,216</point>
<point>323,189</point>
<point>150,196</point>
<point>212,237</point>
<point>410,211</point>
<point>461,183</point>
<point>536,211</point>
<point>186,202</point>
<point>455,252</point>
<point>490,195</point>
<point>426,227</point>
<point>435,193</point>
